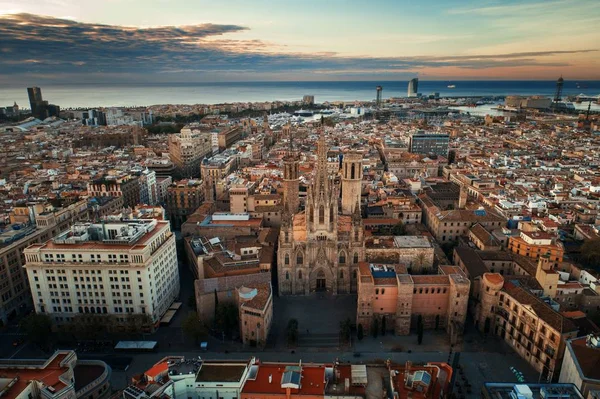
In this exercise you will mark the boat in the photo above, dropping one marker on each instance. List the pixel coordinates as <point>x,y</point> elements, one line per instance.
<point>451,86</point>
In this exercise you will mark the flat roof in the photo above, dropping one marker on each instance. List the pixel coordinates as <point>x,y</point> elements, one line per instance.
<point>221,372</point>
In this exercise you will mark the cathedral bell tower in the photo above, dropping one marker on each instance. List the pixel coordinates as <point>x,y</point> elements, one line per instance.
<point>291,176</point>
<point>351,181</point>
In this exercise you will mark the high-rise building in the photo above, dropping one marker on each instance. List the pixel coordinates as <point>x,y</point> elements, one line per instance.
<point>308,100</point>
<point>39,108</point>
<point>429,143</point>
<point>413,87</point>
<point>35,98</point>
<point>121,268</point>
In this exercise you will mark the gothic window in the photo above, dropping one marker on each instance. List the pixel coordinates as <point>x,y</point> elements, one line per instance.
<point>331,215</point>
<point>310,215</point>
<point>299,274</point>
<point>287,275</point>
<point>341,274</point>
<point>342,258</point>
<point>287,236</point>
<point>354,274</point>
<point>321,214</point>
<point>356,235</point>
<point>287,259</point>
<point>355,260</point>
<point>352,172</point>
<point>299,258</point>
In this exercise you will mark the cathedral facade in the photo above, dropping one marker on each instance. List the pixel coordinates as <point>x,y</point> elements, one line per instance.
<point>320,247</point>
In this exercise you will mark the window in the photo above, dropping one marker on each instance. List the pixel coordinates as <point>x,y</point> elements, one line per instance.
<point>321,214</point>
<point>342,257</point>
<point>287,259</point>
<point>299,274</point>
<point>355,260</point>
<point>287,275</point>
<point>299,258</point>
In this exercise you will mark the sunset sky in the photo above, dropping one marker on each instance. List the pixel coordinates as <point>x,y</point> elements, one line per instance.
<point>230,40</point>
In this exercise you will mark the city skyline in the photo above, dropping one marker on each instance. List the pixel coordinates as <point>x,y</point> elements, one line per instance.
<point>58,41</point>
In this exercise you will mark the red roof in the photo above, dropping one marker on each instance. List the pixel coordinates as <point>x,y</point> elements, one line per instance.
<point>156,370</point>
<point>312,381</point>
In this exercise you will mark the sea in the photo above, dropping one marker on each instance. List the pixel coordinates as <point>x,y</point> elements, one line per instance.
<point>146,94</point>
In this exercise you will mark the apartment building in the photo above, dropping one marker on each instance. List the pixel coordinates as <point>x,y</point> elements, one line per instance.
<point>448,225</point>
<point>580,364</point>
<point>534,244</point>
<point>42,223</point>
<point>183,198</point>
<point>61,376</point>
<point>188,148</point>
<point>125,186</point>
<point>529,324</point>
<point>109,268</point>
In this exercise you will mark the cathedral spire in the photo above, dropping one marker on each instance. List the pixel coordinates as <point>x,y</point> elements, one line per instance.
<point>321,178</point>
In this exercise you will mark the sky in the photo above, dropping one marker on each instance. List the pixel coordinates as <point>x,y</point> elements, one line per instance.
<point>97,41</point>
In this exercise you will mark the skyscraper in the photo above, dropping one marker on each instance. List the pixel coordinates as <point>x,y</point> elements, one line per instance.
<point>39,108</point>
<point>35,99</point>
<point>413,87</point>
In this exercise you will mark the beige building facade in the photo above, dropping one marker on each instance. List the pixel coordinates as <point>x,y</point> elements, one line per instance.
<point>397,300</point>
<point>111,268</point>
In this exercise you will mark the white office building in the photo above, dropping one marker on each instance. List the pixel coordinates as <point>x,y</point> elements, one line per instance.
<point>117,268</point>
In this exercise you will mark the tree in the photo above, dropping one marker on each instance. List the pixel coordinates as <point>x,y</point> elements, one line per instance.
<point>216,304</point>
<point>399,229</point>
<point>292,331</point>
<point>360,333</point>
<point>419,261</point>
<point>419,329</point>
<point>375,327</point>
<point>37,327</point>
<point>193,328</point>
<point>345,330</point>
<point>192,302</point>
<point>383,326</point>
<point>227,318</point>
<point>590,251</point>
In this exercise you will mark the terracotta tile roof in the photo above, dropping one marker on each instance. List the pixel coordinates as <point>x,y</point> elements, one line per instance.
<point>49,376</point>
<point>260,300</point>
<point>430,279</point>
<point>483,235</point>
<point>542,309</point>
<point>312,381</point>
<point>587,358</point>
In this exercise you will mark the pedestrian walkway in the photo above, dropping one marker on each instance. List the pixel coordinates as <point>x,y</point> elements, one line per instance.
<point>323,340</point>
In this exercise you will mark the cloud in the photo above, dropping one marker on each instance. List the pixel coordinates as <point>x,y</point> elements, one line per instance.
<point>34,45</point>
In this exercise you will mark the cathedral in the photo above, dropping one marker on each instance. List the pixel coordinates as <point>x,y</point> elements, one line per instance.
<point>320,247</point>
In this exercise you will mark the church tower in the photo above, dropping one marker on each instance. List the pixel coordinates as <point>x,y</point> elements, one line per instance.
<point>291,175</point>
<point>351,181</point>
